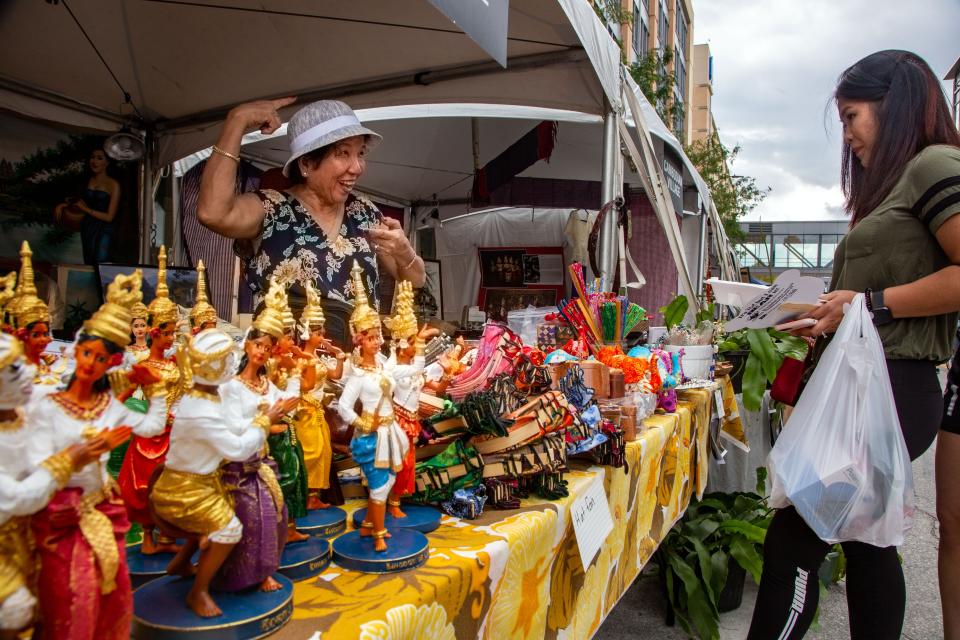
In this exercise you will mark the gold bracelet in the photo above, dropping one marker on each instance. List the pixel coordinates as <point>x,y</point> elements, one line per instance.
<point>225,154</point>
<point>411,263</point>
<point>60,467</point>
<point>263,421</point>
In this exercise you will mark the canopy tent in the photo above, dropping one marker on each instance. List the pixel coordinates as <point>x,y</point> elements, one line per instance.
<point>184,64</point>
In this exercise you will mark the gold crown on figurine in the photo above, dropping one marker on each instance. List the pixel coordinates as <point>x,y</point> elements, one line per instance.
<point>364,317</point>
<point>312,314</point>
<point>139,311</point>
<point>270,320</point>
<point>27,307</point>
<point>403,322</point>
<point>162,309</point>
<point>11,350</point>
<point>112,320</point>
<point>286,315</point>
<point>202,311</point>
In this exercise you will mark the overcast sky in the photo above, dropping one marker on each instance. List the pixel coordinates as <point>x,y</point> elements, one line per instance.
<point>775,66</point>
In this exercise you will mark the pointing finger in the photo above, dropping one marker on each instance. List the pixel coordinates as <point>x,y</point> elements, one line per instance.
<point>279,103</point>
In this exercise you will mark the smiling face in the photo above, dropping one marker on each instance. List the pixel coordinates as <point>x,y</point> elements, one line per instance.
<point>98,161</point>
<point>258,350</point>
<point>859,121</point>
<point>93,360</point>
<point>36,340</point>
<point>334,177</point>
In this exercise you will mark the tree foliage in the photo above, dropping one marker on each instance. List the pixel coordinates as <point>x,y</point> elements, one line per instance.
<point>733,195</point>
<point>656,81</point>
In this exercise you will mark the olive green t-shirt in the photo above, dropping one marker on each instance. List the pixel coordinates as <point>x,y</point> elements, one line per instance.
<point>895,245</point>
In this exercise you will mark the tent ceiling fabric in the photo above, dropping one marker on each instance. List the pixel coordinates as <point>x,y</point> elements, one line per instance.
<point>185,63</point>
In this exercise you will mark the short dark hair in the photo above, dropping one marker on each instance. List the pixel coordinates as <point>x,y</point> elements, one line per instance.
<point>315,157</point>
<point>912,114</point>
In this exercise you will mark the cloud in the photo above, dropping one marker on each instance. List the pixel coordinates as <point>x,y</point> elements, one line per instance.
<point>776,63</point>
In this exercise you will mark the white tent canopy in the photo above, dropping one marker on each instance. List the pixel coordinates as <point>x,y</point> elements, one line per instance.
<point>184,64</point>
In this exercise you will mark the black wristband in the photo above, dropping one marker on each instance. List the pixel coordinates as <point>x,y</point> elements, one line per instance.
<point>868,298</point>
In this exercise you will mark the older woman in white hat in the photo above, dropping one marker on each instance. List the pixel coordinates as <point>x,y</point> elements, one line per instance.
<point>314,230</point>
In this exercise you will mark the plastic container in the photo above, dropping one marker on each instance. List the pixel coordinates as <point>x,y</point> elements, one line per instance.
<point>524,322</point>
<point>696,360</point>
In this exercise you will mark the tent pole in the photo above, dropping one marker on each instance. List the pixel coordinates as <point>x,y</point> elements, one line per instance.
<point>701,252</point>
<point>607,245</point>
<point>145,209</point>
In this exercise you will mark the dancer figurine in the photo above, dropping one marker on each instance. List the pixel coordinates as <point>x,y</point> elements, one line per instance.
<point>8,289</point>
<point>285,447</point>
<point>146,454</point>
<point>379,445</point>
<point>406,367</point>
<point>138,349</point>
<point>83,585</point>
<point>257,497</point>
<point>311,424</point>
<point>24,492</point>
<point>203,315</point>
<point>32,320</point>
<point>189,498</point>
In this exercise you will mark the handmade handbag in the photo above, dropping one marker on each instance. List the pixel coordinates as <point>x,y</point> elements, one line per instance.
<point>457,467</point>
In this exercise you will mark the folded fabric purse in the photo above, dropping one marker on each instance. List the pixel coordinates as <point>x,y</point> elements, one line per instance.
<point>458,466</point>
<point>466,503</point>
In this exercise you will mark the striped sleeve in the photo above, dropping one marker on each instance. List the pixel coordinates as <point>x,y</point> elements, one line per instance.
<point>935,183</point>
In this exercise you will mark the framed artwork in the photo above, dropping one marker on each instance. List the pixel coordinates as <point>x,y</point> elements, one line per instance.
<point>79,293</point>
<point>499,302</point>
<point>428,301</point>
<point>501,267</point>
<point>181,281</point>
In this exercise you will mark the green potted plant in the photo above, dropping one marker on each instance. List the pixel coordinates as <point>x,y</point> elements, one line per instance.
<point>705,557</point>
<point>765,350</point>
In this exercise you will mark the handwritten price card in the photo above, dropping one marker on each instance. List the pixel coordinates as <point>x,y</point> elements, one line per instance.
<point>591,520</point>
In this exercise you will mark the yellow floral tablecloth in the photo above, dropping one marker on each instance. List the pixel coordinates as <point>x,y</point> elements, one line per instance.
<point>518,574</point>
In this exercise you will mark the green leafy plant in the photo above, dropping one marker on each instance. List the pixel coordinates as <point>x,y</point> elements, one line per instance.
<point>656,81</point>
<point>674,312</point>
<point>767,348</point>
<point>733,195</point>
<point>695,556</point>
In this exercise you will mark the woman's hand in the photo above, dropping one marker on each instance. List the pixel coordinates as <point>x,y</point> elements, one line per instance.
<point>261,114</point>
<point>828,315</point>
<point>142,375</point>
<point>388,239</point>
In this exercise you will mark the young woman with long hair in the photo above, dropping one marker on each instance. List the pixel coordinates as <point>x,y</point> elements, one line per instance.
<point>901,178</point>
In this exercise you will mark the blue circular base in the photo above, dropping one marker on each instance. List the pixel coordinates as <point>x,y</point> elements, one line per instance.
<point>160,612</point>
<point>323,523</point>
<point>302,560</point>
<point>419,518</point>
<point>144,568</point>
<point>407,549</point>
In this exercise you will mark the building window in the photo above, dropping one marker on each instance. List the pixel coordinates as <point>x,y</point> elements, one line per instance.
<point>641,32</point>
<point>681,27</point>
<point>956,100</point>
<point>662,26</point>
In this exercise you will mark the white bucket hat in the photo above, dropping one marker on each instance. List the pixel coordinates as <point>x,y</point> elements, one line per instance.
<point>321,123</point>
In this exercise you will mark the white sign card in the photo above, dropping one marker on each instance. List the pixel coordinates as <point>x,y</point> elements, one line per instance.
<point>790,295</point>
<point>591,520</point>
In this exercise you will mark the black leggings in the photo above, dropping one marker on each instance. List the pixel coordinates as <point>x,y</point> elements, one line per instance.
<point>792,553</point>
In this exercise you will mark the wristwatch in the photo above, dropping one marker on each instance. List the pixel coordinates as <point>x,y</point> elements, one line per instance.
<point>875,305</point>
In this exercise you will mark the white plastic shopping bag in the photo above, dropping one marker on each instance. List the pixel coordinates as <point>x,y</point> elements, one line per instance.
<point>841,459</point>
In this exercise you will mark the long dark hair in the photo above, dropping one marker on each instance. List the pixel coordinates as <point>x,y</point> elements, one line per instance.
<point>254,334</point>
<point>911,113</point>
<point>103,384</point>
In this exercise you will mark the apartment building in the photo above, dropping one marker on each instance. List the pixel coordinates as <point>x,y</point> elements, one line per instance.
<point>702,124</point>
<point>663,25</point>
<point>953,76</point>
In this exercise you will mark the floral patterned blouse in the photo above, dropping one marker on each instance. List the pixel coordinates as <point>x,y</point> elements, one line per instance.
<point>294,249</point>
